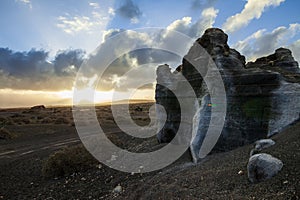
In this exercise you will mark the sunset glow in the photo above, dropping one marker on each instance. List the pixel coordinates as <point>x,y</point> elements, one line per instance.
<point>40,65</point>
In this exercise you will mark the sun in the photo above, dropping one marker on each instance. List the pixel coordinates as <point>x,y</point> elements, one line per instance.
<point>91,96</point>
<point>65,94</point>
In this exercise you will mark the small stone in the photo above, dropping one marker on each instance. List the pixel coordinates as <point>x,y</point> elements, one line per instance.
<point>83,179</point>
<point>140,169</point>
<point>99,166</point>
<point>117,189</point>
<point>264,144</point>
<point>241,172</point>
<point>285,182</point>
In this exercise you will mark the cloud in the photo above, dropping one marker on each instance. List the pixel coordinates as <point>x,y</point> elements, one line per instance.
<point>206,21</point>
<point>82,23</point>
<point>26,2</point>
<point>113,77</point>
<point>94,5</point>
<point>20,64</point>
<point>181,25</point>
<point>295,48</point>
<point>67,63</point>
<point>129,10</point>
<point>75,24</point>
<point>134,20</point>
<point>263,43</point>
<point>111,11</point>
<point>24,98</point>
<point>202,4</point>
<point>253,9</point>
<point>114,74</point>
<point>195,30</point>
<point>32,71</point>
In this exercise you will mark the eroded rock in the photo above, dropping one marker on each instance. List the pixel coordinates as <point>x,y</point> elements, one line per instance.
<point>263,97</point>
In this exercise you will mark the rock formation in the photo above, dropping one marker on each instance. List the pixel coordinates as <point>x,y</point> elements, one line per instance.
<point>262,96</point>
<point>38,107</point>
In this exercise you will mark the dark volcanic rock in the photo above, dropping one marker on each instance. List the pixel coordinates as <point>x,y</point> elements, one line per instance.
<point>262,96</point>
<point>281,61</point>
<point>38,107</point>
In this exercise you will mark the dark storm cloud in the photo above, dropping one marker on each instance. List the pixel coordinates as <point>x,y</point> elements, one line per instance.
<point>68,62</point>
<point>142,56</point>
<point>129,10</point>
<point>32,70</point>
<point>202,4</point>
<point>23,63</point>
<point>138,59</point>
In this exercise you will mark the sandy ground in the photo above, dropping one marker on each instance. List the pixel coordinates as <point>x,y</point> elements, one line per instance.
<point>38,134</point>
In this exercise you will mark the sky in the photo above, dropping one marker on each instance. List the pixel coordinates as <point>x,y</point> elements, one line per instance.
<point>43,44</point>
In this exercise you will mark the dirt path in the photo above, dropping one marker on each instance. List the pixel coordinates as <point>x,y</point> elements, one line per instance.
<point>36,138</point>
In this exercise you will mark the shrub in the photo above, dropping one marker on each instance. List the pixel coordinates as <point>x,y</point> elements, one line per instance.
<point>61,120</point>
<point>67,161</point>
<point>6,134</point>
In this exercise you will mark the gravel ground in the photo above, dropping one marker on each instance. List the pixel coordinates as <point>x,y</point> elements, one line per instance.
<point>215,177</point>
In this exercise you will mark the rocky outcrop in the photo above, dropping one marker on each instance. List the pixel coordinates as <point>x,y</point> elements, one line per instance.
<point>262,97</point>
<point>262,167</point>
<point>281,61</point>
<point>38,107</point>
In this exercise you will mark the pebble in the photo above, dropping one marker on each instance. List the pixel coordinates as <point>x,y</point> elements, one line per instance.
<point>117,189</point>
<point>99,166</point>
<point>241,172</point>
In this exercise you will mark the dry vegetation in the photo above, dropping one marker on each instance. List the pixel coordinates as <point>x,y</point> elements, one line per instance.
<point>68,161</point>
<point>6,134</point>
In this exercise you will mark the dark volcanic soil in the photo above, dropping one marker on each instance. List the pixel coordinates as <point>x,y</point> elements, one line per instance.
<point>216,177</point>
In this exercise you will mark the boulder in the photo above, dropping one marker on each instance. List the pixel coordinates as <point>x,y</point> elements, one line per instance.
<point>262,167</point>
